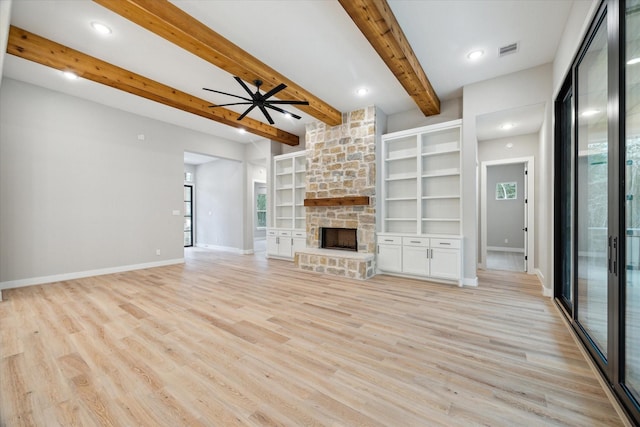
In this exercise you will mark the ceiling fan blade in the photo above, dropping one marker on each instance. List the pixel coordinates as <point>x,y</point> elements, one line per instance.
<point>266,114</point>
<point>225,93</point>
<point>289,102</point>
<point>280,110</point>
<point>246,112</point>
<point>242,83</point>
<point>233,103</point>
<point>274,91</point>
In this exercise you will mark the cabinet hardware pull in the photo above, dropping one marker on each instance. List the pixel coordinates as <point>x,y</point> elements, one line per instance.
<point>415,241</point>
<point>444,243</point>
<point>388,240</point>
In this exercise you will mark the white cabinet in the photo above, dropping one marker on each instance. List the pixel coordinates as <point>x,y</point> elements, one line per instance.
<point>279,243</point>
<point>389,257</point>
<point>421,180</point>
<point>423,256</point>
<point>299,241</point>
<point>285,243</point>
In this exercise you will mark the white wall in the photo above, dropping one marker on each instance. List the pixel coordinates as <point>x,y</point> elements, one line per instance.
<point>581,14</point>
<point>520,89</point>
<point>5,19</point>
<point>449,110</point>
<point>79,192</point>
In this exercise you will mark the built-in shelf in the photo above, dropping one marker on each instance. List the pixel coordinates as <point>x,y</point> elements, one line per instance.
<point>338,201</point>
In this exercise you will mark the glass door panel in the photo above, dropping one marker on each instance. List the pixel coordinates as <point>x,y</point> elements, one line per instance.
<point>631,375</point>
<point>592,191</point>
<point>188,216</point>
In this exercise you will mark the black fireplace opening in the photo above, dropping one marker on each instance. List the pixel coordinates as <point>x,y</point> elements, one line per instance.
<point>345,239</point>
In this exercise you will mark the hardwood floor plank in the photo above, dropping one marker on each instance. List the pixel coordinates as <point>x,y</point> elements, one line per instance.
<point>239,340</point>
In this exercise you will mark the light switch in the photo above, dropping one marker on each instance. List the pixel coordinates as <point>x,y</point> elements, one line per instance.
<point>176,213</point>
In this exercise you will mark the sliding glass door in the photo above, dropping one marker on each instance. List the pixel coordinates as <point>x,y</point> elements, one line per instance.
<point>592,190</point>
<point>631,366</point>
<point>597,197</point>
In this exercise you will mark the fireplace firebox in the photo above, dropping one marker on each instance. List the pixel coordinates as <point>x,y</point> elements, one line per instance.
<point>345,239</point>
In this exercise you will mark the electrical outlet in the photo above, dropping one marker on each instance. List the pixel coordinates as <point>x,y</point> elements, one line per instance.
<point>157,251</point>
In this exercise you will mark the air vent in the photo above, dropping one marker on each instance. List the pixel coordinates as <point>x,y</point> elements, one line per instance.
<point>508,49</point>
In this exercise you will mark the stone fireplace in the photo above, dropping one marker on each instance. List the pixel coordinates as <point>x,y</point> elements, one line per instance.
<point>341,193</point>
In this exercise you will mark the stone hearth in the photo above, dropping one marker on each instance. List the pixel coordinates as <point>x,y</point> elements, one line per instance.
<point>341,162</point>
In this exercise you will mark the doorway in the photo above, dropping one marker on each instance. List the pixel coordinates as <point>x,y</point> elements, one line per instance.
<point>507,215</point>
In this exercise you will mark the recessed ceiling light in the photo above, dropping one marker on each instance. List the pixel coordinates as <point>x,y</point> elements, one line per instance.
<point>507,126</point>
<point>362,91</point>
<point>70,75</point>
<point>101,28</point>
<point>475,54</point>
<point>509,145</point>
<point>589,113</point>
<point>241,130</point>
<point>633,61</point>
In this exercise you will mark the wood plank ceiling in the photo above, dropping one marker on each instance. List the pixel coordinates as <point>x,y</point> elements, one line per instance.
<point>373,17</point>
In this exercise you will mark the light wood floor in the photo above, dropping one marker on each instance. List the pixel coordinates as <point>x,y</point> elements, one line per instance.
<point>230,340</point>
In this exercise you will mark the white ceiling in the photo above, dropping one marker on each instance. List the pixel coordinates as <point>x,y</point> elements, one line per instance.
<point>312,42</point>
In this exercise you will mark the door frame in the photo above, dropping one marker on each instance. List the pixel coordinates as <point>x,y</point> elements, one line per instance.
<point>529,165</point>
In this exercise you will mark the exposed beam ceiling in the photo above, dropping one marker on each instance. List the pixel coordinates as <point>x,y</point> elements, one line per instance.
<point>170,22</point>
<point>378,24</point>
<point>30,46</point>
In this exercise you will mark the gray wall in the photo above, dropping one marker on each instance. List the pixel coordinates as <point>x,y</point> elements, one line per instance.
<point>79,192</point>
<point>505,218</point>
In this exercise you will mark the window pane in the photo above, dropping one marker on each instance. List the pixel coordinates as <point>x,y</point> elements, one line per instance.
<point>632,201</point>
<point>592,194</point>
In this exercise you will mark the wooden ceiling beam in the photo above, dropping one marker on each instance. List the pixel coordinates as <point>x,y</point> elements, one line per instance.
<point>378,24</point>
<point>171,23</point>
<point>30,46</point>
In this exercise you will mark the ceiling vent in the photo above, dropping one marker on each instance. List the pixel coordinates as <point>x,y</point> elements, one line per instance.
<point>508,49</point>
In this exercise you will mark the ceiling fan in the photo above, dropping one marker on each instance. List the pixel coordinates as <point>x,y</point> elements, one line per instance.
<point>259,100</point>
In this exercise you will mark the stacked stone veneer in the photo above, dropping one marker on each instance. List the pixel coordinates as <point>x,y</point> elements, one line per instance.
<point>341,161</point>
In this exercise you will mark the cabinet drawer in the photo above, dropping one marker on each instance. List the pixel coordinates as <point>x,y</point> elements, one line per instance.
<point>415,241</point>
<point>300,234</point>
<point>445,243</point>
<point>284,233</point>
<point>272,232</point>
<point>390,240</point>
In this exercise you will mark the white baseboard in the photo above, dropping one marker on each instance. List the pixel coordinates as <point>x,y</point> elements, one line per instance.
<point>470,281</point>
<point>503,249</point>
<point>547,292</point>
<point>225,249</point>
<point>9,284</point>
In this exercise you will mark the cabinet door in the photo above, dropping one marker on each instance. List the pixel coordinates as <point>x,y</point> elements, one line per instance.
<point>299,244</point>
<point>272,245</point>
<point>390,258</point>
<point>415,260</point>
<point>445,263</point>
<point>285,246</point>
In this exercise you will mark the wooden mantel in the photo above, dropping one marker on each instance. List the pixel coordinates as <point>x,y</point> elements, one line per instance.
<point>338,201</point>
